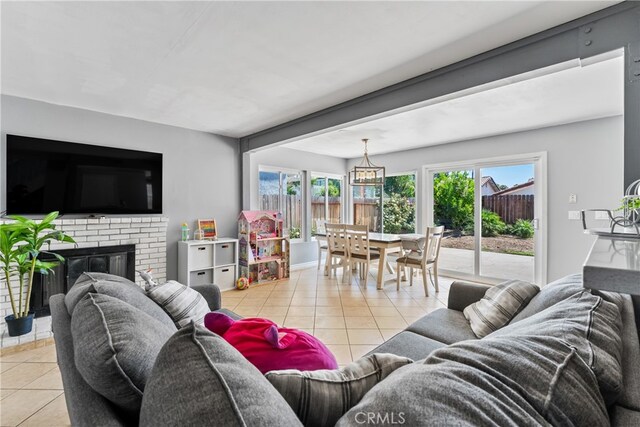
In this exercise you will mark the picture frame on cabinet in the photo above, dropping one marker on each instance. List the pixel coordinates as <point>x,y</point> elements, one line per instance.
<point>209,229</point>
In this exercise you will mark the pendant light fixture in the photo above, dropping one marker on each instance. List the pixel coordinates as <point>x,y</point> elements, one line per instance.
<point>366,173</point>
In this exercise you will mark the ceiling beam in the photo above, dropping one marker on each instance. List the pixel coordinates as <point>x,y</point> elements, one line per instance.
<point>612,28</point>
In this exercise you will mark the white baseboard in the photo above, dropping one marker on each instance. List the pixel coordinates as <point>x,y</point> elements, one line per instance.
<point>304,265</point>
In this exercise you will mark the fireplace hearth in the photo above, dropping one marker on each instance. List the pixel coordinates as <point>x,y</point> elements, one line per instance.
<point>118,260</point>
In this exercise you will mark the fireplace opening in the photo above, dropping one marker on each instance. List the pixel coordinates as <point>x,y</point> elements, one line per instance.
<point>118,260</point>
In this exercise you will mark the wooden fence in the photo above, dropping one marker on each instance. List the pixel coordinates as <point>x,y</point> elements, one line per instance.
<point>510,207</point>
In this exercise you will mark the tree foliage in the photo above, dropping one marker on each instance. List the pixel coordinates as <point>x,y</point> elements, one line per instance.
<point>404,185</point>
<point>398,215</point>
<point>453,194</point>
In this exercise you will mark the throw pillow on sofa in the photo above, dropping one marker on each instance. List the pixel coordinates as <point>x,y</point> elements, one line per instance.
<point>551,294</point>
<point>181,303</point>
<point>589,324</point>
<point>116,287</point>
<point>321,397</point>
<point>115,347</point>
<point>201,380</point>
<point>498,306</point>
<point>499,381</point>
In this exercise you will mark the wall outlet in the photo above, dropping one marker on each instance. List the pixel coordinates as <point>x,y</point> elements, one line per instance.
<point>574,215</point>
<point>601,215</point>
<point>573,198</point>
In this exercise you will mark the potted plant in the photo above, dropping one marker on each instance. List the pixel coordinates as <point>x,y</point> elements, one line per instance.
<point>21,242</point>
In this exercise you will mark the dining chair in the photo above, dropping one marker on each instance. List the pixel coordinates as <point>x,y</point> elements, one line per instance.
<point>336,248</point>
<point>322,246</point>
<point>358,250</point>
<point>425,259</point>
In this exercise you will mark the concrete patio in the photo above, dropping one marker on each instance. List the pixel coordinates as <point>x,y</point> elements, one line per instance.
<point>492,264</point>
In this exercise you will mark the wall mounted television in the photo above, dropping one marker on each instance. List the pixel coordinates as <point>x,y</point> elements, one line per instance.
<point>44,175</point>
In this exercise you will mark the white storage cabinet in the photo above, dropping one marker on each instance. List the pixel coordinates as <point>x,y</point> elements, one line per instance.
<point>208,261</point>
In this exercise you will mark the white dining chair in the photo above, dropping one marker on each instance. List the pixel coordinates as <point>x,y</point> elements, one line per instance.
<point>425,260</point>
<point>358,250</point>
<point>336,248</point>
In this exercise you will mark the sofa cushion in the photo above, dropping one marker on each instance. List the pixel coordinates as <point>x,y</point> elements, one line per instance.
<point>498,306</point>
<point>321,397</point>
<point>589,324</point>
<point>181,303</point>
<point>408,344</point>
<point>444,325</point>
<point>116,287</point>
<point>115,347</point>
<point>503,381</point>
<point>551,294</point>
<point>199,379</point>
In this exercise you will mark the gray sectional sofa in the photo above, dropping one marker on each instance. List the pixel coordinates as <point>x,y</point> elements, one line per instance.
<point>442,331</point>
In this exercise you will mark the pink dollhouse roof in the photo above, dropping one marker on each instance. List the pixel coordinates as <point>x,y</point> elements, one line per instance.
<point>251,216</point>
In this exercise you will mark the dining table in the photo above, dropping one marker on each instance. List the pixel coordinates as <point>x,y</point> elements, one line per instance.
<point>385,243</point>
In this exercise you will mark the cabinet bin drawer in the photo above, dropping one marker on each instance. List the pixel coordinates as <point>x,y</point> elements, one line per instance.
<point>225,253</point>
<point>200,256</point>
<point>225,277</point>
<point>202,277</point>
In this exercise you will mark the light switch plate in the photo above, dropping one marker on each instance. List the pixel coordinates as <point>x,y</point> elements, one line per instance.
<point>574,215</point>
<point>573,198</point>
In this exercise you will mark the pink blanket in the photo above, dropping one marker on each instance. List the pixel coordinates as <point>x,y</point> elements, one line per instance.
<point>270,347</point>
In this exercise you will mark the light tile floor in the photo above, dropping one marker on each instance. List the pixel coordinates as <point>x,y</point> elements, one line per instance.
<point>350,319</point>
<point>31,389</point>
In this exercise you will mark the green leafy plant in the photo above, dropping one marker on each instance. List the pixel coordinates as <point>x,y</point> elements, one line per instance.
<point>632,204</point>
<point>294,232</point>
<point>522,228</point>
<point>492,224</point>
<point>399,215</point>
<point>21,242</point>
<point>453,194</point>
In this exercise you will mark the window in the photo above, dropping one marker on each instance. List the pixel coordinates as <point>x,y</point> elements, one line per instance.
<point>326,202</point>
<point>282,192</point>
<point>388,209</point>
<point>399,204</point>
<point>366,206</point>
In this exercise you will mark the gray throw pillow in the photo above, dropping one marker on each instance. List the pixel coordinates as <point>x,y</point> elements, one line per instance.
<point>116,287</point>
<point>501,381</point>
<point>201,380</point>
<point>551,294</point>
<point>589,324</point>
<point>115,347</point>
<point>321,397</point>
<point>181,303</point>
<point>498,306</point>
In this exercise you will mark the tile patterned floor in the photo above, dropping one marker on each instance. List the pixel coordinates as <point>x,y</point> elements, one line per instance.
<point>31,389</point>
<point>350,318</point>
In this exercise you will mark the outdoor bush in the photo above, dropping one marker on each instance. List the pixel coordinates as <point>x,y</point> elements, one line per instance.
<point>522,228</point>
<point>453,194</point>
<point>399,215</point>
<point>492,224</point>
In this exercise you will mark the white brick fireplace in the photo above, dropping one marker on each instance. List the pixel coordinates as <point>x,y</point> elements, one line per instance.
<point>148,234</point>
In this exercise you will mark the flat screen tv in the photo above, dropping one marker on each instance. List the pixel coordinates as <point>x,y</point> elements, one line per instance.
<point>44,175</point>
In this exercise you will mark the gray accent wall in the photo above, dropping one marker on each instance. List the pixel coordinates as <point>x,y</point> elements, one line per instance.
<point>201,170</point>
<point>584,158</point>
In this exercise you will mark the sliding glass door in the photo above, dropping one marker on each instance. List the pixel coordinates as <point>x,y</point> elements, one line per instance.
<point>492,212</point>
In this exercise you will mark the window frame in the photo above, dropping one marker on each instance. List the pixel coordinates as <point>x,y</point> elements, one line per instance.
<point>287,171</point>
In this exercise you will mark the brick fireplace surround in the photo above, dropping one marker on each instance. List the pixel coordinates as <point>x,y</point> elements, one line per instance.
<point>148,234</point>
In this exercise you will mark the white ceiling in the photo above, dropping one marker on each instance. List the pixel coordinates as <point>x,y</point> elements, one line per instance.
<point>562,94</point>
<point>234,68</point>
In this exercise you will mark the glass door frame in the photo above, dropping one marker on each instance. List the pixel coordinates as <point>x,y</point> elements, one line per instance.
<point>539,160</point>
<point>343,194</point>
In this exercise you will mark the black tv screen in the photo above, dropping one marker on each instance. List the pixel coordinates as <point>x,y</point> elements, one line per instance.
<point>45,175</point>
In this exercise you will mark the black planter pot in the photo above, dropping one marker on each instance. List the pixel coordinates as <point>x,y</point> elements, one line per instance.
<point>19,326</point>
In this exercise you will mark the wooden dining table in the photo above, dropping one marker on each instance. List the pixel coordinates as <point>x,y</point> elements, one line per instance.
<point>385,243</point>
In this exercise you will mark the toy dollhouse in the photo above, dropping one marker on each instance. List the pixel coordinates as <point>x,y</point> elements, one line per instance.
<point>263,248</point>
